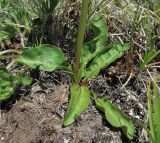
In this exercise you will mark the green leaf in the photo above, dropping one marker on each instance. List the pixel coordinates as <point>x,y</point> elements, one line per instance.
<point>78,103</point>
<point>94,47</point>
<point>148,57</point>
<point>5,95</point>
<point>46,57</point>
<point>4,35</point>
<point>116,117</point>
<point>151,122</point>
<point>26,80</point>
<point>153,112</point>
<point>156,109</point>
<point>50,5</point>
<point>4,4</point>
<point>8,83</point>
<point>104,60</point>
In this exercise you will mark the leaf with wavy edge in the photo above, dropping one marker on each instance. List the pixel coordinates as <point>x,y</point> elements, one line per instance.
<point>104,60</point>
<point>96,46</point>
<point>45,57</point>
<point>78,103</point>
<point>115,116</point>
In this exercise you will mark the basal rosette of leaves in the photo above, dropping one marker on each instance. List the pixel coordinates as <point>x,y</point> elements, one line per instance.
<point>95,57</point>
<point>99,56</point>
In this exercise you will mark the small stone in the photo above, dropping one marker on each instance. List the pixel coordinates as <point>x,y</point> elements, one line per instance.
<point>2,138</point>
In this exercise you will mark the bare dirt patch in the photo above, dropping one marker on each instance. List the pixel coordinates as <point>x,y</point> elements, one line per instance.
<point>37,116</point>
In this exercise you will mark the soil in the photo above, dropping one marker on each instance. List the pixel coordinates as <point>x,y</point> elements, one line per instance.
<point>37,116</point>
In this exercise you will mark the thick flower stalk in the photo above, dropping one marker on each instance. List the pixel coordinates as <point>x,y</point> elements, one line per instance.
<point>80,39</point>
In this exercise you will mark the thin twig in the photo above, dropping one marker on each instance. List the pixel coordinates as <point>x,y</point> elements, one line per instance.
<point>10,51</point>
<point>130,76</point>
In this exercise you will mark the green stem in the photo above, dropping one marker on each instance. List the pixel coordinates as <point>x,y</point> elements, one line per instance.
<point>80,39</point>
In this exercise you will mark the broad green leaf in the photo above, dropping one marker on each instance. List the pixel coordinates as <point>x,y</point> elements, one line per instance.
<point>78,103</point>
<point>115,116</point>
<point>104,60</point>
<point>46,57</point>
<point>148,57</point>
<point>94,47</point>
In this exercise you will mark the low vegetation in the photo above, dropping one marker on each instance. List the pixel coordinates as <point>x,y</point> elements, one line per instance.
<point>118,34</point>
